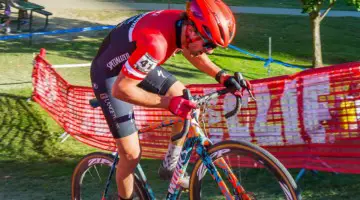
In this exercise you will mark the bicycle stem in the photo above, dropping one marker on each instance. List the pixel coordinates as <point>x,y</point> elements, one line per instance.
<point>203,100</point>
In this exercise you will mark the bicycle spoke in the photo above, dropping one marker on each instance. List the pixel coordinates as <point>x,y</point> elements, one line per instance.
<point>97,172</point>
<point>94,181</point>
<point>90,178</point>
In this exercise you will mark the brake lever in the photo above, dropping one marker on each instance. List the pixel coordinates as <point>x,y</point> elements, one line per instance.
<point>251,94</point>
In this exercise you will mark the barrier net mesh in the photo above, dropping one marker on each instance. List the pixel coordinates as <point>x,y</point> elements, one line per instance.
<point>307,120</point>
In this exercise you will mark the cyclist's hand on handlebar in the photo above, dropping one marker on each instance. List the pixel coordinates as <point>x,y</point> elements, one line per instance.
<point>181,107</point>
<point>237,83</point>
<point>230,82</point>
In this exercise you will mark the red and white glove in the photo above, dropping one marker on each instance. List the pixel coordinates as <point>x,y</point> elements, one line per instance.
<point>181,107</point>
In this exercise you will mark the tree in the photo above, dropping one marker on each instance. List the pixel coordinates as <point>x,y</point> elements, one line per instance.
<point>312,7</point>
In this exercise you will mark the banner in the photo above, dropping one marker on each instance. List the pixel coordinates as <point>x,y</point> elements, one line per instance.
<point>308,120</point>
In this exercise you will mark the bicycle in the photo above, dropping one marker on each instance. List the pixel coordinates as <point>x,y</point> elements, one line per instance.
<point>236,161</point>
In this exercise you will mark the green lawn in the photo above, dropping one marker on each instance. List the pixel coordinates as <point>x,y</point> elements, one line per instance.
<point>340,4</point>
<point>291,39</point>
<point>35,165</point>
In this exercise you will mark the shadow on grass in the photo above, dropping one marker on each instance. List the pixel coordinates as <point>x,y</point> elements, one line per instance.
<point>52,180</point>
<point>84,50</point>
<point>83,45</point>
<point>16,83</point>
<point>20,127</point>
<point>291,35</point>
<point>291,38</point>
<point>25,133</point>
<point>21,180</point>
<point>240,56</point>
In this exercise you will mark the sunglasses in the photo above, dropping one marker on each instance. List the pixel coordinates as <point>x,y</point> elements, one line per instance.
<point>207,44</point>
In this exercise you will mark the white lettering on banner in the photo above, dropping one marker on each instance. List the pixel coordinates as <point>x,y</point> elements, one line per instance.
<point>50,87</point>
<point>216,134</point>
<point>90,118</point>
<point>290,113</point>
<point>315,111</point>
<point>265,134</point>
<point>70,116</point>
<point>117,60</point>
<point>235,128</point>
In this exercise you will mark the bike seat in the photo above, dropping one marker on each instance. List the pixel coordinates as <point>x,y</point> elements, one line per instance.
<point>94,103</point>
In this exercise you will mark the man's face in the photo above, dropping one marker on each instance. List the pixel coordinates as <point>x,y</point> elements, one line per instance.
<point>197,44</point>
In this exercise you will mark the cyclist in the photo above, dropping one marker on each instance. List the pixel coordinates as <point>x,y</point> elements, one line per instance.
<point>126,71</point>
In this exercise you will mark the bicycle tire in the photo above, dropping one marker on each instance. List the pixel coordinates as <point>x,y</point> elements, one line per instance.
<point>243,148</point>
<point>101,160</point>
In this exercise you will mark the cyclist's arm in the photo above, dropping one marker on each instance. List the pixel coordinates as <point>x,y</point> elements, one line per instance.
<point>144,59</point>
<point>126,89</point>
<point>203,63</point>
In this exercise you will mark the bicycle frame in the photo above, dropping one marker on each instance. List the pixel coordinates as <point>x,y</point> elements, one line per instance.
<point>194,139</point>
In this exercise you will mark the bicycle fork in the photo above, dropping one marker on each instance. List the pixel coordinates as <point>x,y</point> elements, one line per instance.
<point>221,163</point>
<point>113,166</point>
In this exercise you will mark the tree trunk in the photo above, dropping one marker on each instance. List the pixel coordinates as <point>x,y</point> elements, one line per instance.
<point>315,26</point>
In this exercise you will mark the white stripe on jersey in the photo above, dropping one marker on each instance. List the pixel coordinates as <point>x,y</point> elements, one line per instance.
<point>133,72</point>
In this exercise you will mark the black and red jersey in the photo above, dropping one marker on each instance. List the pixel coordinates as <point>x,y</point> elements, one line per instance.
<point>139,44</point>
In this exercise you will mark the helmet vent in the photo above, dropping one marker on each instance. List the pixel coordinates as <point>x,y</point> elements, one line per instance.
<point>208,32</point>
<point>196,11</point>
<point>222,33</point>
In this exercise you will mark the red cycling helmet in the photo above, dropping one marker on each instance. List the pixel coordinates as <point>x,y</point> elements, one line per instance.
<point>213,19</point>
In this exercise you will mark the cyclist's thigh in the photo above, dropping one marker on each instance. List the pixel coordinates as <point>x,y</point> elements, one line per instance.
<point>118,114</point>
<point>158,81</point>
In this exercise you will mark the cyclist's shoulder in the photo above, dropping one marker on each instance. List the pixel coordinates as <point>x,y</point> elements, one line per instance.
<point>162,20</point>
<point>153,42</point>
<point>157,28</point>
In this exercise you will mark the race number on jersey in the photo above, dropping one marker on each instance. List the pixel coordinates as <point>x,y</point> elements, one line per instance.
<point>146,63</point>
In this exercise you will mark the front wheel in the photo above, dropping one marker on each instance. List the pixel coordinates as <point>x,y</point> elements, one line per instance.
<point>90,176</point>
<point>248,171</point>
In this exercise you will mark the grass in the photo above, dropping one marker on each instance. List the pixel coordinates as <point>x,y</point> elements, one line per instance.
<point>35,165</point>
<point>340,4</point>
<point>291,39</point>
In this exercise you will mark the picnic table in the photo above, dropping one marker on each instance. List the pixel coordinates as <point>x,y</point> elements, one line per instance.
<point>24,6</point>
<point>2,11</point>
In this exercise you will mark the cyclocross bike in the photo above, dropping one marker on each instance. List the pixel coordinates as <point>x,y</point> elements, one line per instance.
<point>232,170</point>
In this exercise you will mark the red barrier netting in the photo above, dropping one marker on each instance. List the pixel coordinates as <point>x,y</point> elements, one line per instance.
<point>308,120</point>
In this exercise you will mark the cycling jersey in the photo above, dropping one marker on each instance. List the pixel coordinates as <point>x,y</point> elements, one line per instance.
<point>136,47</point>
<point>140,43</point>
